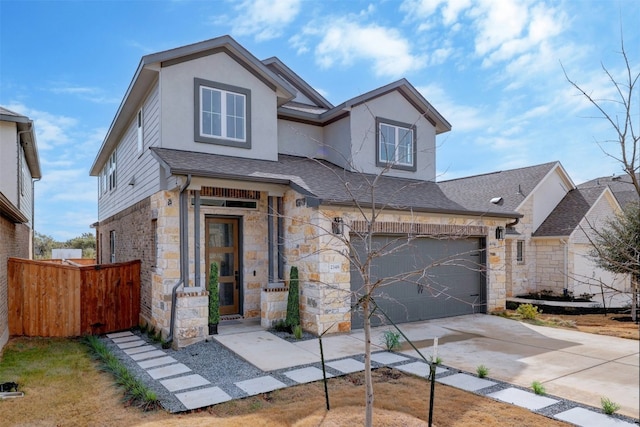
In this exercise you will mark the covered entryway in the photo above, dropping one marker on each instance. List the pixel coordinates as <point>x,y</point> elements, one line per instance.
<point>223,248</point>
<point>452,283</point>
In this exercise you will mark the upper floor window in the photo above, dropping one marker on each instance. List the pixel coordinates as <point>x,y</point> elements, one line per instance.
<point>223,114</point>
<point>140,132</point>
<point>107,177</point>
<point>396,144</point>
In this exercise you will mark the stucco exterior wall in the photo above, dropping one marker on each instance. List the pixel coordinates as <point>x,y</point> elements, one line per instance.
<point>177,100</point>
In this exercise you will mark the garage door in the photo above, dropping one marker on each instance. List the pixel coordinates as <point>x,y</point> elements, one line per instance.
<point>452,283</point>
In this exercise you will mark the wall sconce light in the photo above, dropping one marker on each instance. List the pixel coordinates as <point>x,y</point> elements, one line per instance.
<point>500,233</point>
<point>337,226</point>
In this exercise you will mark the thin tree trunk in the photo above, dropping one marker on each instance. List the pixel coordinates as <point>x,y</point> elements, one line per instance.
<point>368,421</point>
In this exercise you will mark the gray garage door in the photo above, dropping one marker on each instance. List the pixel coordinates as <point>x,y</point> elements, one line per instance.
<point>452,283</point>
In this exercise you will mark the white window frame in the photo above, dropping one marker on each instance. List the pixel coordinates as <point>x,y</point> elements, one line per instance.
<point>399,160</point>
<point>140,123</point>
<point>112,171</point>
<point>112,246</point>
<point>226,135</point>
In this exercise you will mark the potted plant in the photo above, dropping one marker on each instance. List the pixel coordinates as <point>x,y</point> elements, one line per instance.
<point>214,300</point>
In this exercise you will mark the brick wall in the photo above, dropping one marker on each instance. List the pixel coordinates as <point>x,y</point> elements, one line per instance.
<point>14,242</point>
<point>134,239</point>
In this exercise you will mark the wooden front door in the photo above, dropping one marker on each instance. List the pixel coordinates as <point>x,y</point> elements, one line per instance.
<point>223,249</point>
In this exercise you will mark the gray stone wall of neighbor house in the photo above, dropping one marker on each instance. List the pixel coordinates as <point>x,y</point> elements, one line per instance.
<point>14,242</point>
<point>134,239</point>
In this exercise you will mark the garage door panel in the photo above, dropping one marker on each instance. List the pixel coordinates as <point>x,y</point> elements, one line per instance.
<point>450,285</point>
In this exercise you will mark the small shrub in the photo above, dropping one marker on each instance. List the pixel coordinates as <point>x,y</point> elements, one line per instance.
<point>538,388</point>
<point>293,299</point>
<point>297,332</point>
<point>391,340</point>
<point>482,371</point>
<point>528,311</point>
<point>609,406</point>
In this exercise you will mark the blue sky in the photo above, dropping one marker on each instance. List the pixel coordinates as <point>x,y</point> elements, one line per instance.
<point>492,68</point>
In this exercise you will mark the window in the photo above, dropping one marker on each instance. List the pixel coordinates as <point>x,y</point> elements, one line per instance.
<point>111,172</point>
<point>223,114</point>
<point>112,246</point>
<point>140,133</point>
<point>154,243</point>
<point>520,251</point>
<point>395,144</point>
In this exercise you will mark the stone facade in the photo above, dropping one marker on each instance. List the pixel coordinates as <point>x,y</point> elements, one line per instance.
<point>323,263</point>
<point>273,306</point>
<point>14,242</point>
<point>134,239</point>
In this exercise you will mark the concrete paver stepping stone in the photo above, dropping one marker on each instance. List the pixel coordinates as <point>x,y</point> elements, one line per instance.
<point>386,358</point>
<point>522,398</point>
<point>586,418</point>
<point>306,375</point>
<point>131,344</point>
<point>125,339</point>
<point>119,334</point>
<point>139,349</point>
<point>152,363</point>
<point>466,382</point>
<point>185,382</point>
<point>147,355</point>
<point>260,385</point>
<point>347,366</point>
<point>168,371</point>
<point>420,369</point>
<point>203,397</point>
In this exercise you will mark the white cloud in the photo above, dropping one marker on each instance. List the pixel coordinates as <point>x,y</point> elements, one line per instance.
<point>344,42</point>
<point>92,94</point>
<point>463,118</point>
<point>264,19</point>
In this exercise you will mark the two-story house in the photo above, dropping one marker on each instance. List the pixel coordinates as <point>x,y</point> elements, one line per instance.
<point>19,169</point>
<point>216,156</point>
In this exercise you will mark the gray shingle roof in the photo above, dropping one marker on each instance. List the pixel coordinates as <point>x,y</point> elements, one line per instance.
<point>475,192</point>
<point>569,212</point>
<point>621,186</point>
<point>318,179</point>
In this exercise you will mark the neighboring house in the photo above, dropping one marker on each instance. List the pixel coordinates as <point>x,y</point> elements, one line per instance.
<point>216,156</point>
<point>19,168</point>
<point>548,249</point>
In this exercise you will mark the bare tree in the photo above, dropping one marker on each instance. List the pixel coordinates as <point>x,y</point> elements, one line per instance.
<point>621,112</point>
<point>362,207</point>
<point>616,246</point>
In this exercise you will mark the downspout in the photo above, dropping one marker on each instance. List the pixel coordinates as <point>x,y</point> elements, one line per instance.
<point>184,260</point>
<point>33,217</point>
<point>196,236</point>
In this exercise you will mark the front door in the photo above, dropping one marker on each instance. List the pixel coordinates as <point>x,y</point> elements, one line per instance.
<point>223,249</point>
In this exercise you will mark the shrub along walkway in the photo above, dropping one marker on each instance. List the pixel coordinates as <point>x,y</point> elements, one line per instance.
<point>207,373</point>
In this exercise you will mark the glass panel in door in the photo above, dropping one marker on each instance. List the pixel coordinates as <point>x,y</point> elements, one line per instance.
<point>222,248</point>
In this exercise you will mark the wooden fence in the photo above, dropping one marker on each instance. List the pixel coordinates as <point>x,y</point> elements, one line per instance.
<point>50,299</point>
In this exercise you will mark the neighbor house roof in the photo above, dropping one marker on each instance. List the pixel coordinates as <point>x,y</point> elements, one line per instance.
<point>514,186</point>
<point>620,185</point>
<point>150,66</point>
<point>321,181</point>
<point>28,138</point>
<point>572,209</point>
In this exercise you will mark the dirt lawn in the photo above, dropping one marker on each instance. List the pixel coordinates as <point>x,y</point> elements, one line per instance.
<point>616,325</point>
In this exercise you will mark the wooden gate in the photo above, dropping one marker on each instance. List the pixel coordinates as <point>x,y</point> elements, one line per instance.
<point>56,300</point>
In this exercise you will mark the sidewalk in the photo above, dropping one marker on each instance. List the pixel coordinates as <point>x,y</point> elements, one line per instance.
<point>574,367</point>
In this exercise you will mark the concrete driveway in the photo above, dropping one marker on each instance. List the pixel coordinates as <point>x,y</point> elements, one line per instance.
<point>573,365</point>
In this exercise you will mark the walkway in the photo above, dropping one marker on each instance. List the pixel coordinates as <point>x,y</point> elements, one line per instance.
<point>189,380</point>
